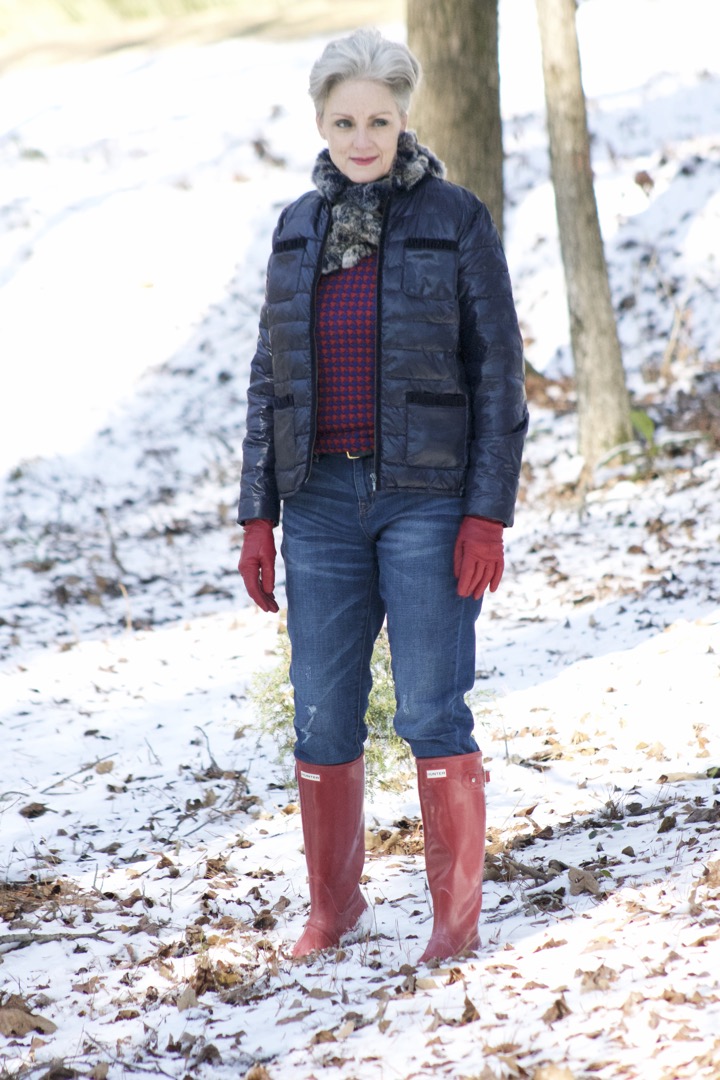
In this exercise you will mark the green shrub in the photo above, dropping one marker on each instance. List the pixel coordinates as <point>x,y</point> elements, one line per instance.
<point>388,759</point>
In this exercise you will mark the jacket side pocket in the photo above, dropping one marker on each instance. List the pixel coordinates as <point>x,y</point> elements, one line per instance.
<point>437,428</point>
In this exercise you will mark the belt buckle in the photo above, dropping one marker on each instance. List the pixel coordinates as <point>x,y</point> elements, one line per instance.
<point>354,457</point>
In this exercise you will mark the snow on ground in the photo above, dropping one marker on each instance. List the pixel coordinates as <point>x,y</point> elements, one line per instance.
<point>152,877</point>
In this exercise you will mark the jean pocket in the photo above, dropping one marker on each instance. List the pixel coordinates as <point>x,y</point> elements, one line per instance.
<point>437,429</point>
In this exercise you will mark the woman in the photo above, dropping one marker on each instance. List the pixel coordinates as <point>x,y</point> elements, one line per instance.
<point>386,411</point>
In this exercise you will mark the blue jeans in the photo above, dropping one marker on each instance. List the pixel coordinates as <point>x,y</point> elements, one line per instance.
<point>354,556</point>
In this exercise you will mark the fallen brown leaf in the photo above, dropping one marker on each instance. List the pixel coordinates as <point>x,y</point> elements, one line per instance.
<point>582,881</point>
<point>470,1013</point>
<point>553,1072</point>
<point>88,987</point>
<point>322,1036</point>
<point>557,1011</point>
<point>18,1021</point>
<point>551,943</point>
<point>711,877</point>
<point>644,180</point>
<point>127,1014</point>
<point>680,777</point>
<point>601,979</point>
<point>257,1072</point>
<point>702,941</point>
<point>264,920</point>
<point>294,1017</point>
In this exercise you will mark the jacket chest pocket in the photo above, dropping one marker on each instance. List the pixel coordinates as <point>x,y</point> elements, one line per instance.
<point>430,269</point>
<point>284,270</point>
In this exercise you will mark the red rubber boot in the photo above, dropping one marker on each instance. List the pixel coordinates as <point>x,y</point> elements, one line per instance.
<point>452,801</point>
<point>333,820</point>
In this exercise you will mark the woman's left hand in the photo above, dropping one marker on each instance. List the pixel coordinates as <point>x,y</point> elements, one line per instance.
<point>479,558</point>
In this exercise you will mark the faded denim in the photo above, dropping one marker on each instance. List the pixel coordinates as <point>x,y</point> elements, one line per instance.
<point>354,556</point>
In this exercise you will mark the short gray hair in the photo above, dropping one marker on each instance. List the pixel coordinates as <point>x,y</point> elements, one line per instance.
<point>365,54</point>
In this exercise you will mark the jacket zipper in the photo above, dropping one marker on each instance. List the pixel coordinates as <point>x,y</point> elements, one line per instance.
<point>313,346</point>
<point>378,348</point>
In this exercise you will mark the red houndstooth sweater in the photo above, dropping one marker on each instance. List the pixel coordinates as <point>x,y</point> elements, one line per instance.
<point>345,343</point>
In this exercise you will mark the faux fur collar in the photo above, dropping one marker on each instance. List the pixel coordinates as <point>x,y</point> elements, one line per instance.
<point>357,209</point>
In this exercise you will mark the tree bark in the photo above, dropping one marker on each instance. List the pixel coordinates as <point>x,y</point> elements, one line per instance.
<point>603,403</point>
<point>456,110</point>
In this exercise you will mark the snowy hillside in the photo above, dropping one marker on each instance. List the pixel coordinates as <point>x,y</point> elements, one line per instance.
<point>151,873</point>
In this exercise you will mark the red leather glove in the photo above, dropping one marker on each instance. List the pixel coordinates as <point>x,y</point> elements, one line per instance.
<point>257,563</point>
<point>478,559</point>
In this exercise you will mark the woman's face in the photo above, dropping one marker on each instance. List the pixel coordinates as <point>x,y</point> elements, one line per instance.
<point>361,124</point>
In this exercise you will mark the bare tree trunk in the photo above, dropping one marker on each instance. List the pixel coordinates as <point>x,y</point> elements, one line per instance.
<point>457,107</point>
<point>603,403</point>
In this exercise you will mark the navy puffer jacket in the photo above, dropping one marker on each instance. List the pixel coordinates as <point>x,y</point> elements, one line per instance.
<point>450,409</point>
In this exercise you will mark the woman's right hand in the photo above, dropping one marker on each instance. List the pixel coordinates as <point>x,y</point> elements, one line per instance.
<point>257,563</point>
